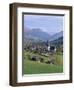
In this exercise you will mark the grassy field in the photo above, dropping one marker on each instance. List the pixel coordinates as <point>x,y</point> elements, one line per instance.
<point>34,67</point>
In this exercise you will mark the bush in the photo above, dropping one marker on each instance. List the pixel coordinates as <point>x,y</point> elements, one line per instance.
<point>59,59</point>
<point>28,56</point>
<point>41,59</point>
<point>35,51</point>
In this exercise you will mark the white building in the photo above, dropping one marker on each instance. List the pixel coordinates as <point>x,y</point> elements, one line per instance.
<point>51,48</point>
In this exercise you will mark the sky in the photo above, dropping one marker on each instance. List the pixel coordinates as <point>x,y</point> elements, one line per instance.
<point>50,24</point>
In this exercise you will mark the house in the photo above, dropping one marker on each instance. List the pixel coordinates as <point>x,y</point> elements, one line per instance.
<point>51,48</point>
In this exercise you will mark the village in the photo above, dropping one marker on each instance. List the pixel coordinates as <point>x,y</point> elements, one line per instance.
<point>40,50</point>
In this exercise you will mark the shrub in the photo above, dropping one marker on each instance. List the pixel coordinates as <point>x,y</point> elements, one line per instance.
<point>28,56</point>
<point>41,59</point>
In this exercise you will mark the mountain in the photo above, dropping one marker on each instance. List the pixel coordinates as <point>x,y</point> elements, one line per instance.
<point>56,36</point>
<point>57,42</point>
<point>57,39</point>
<point>36,34</point>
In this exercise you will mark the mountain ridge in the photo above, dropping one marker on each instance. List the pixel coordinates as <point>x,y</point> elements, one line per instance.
<point>38,34</point>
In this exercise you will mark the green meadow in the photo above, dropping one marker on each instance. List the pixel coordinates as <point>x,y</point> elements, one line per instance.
<point>35,67</point>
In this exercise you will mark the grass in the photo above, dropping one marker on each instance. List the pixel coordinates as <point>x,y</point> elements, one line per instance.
<point>34,67</point>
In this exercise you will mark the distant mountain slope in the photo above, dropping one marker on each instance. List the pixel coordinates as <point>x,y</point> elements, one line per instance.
<point>57,42</point>
<point>36,34</point>
<point>56,36</point>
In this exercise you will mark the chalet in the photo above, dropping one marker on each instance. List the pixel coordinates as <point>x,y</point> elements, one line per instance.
<point>51,48</point>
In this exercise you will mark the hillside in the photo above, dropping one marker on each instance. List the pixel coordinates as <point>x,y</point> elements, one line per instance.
<point>56,36</point>
<point>36,34</point>
<point>57,42</point>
